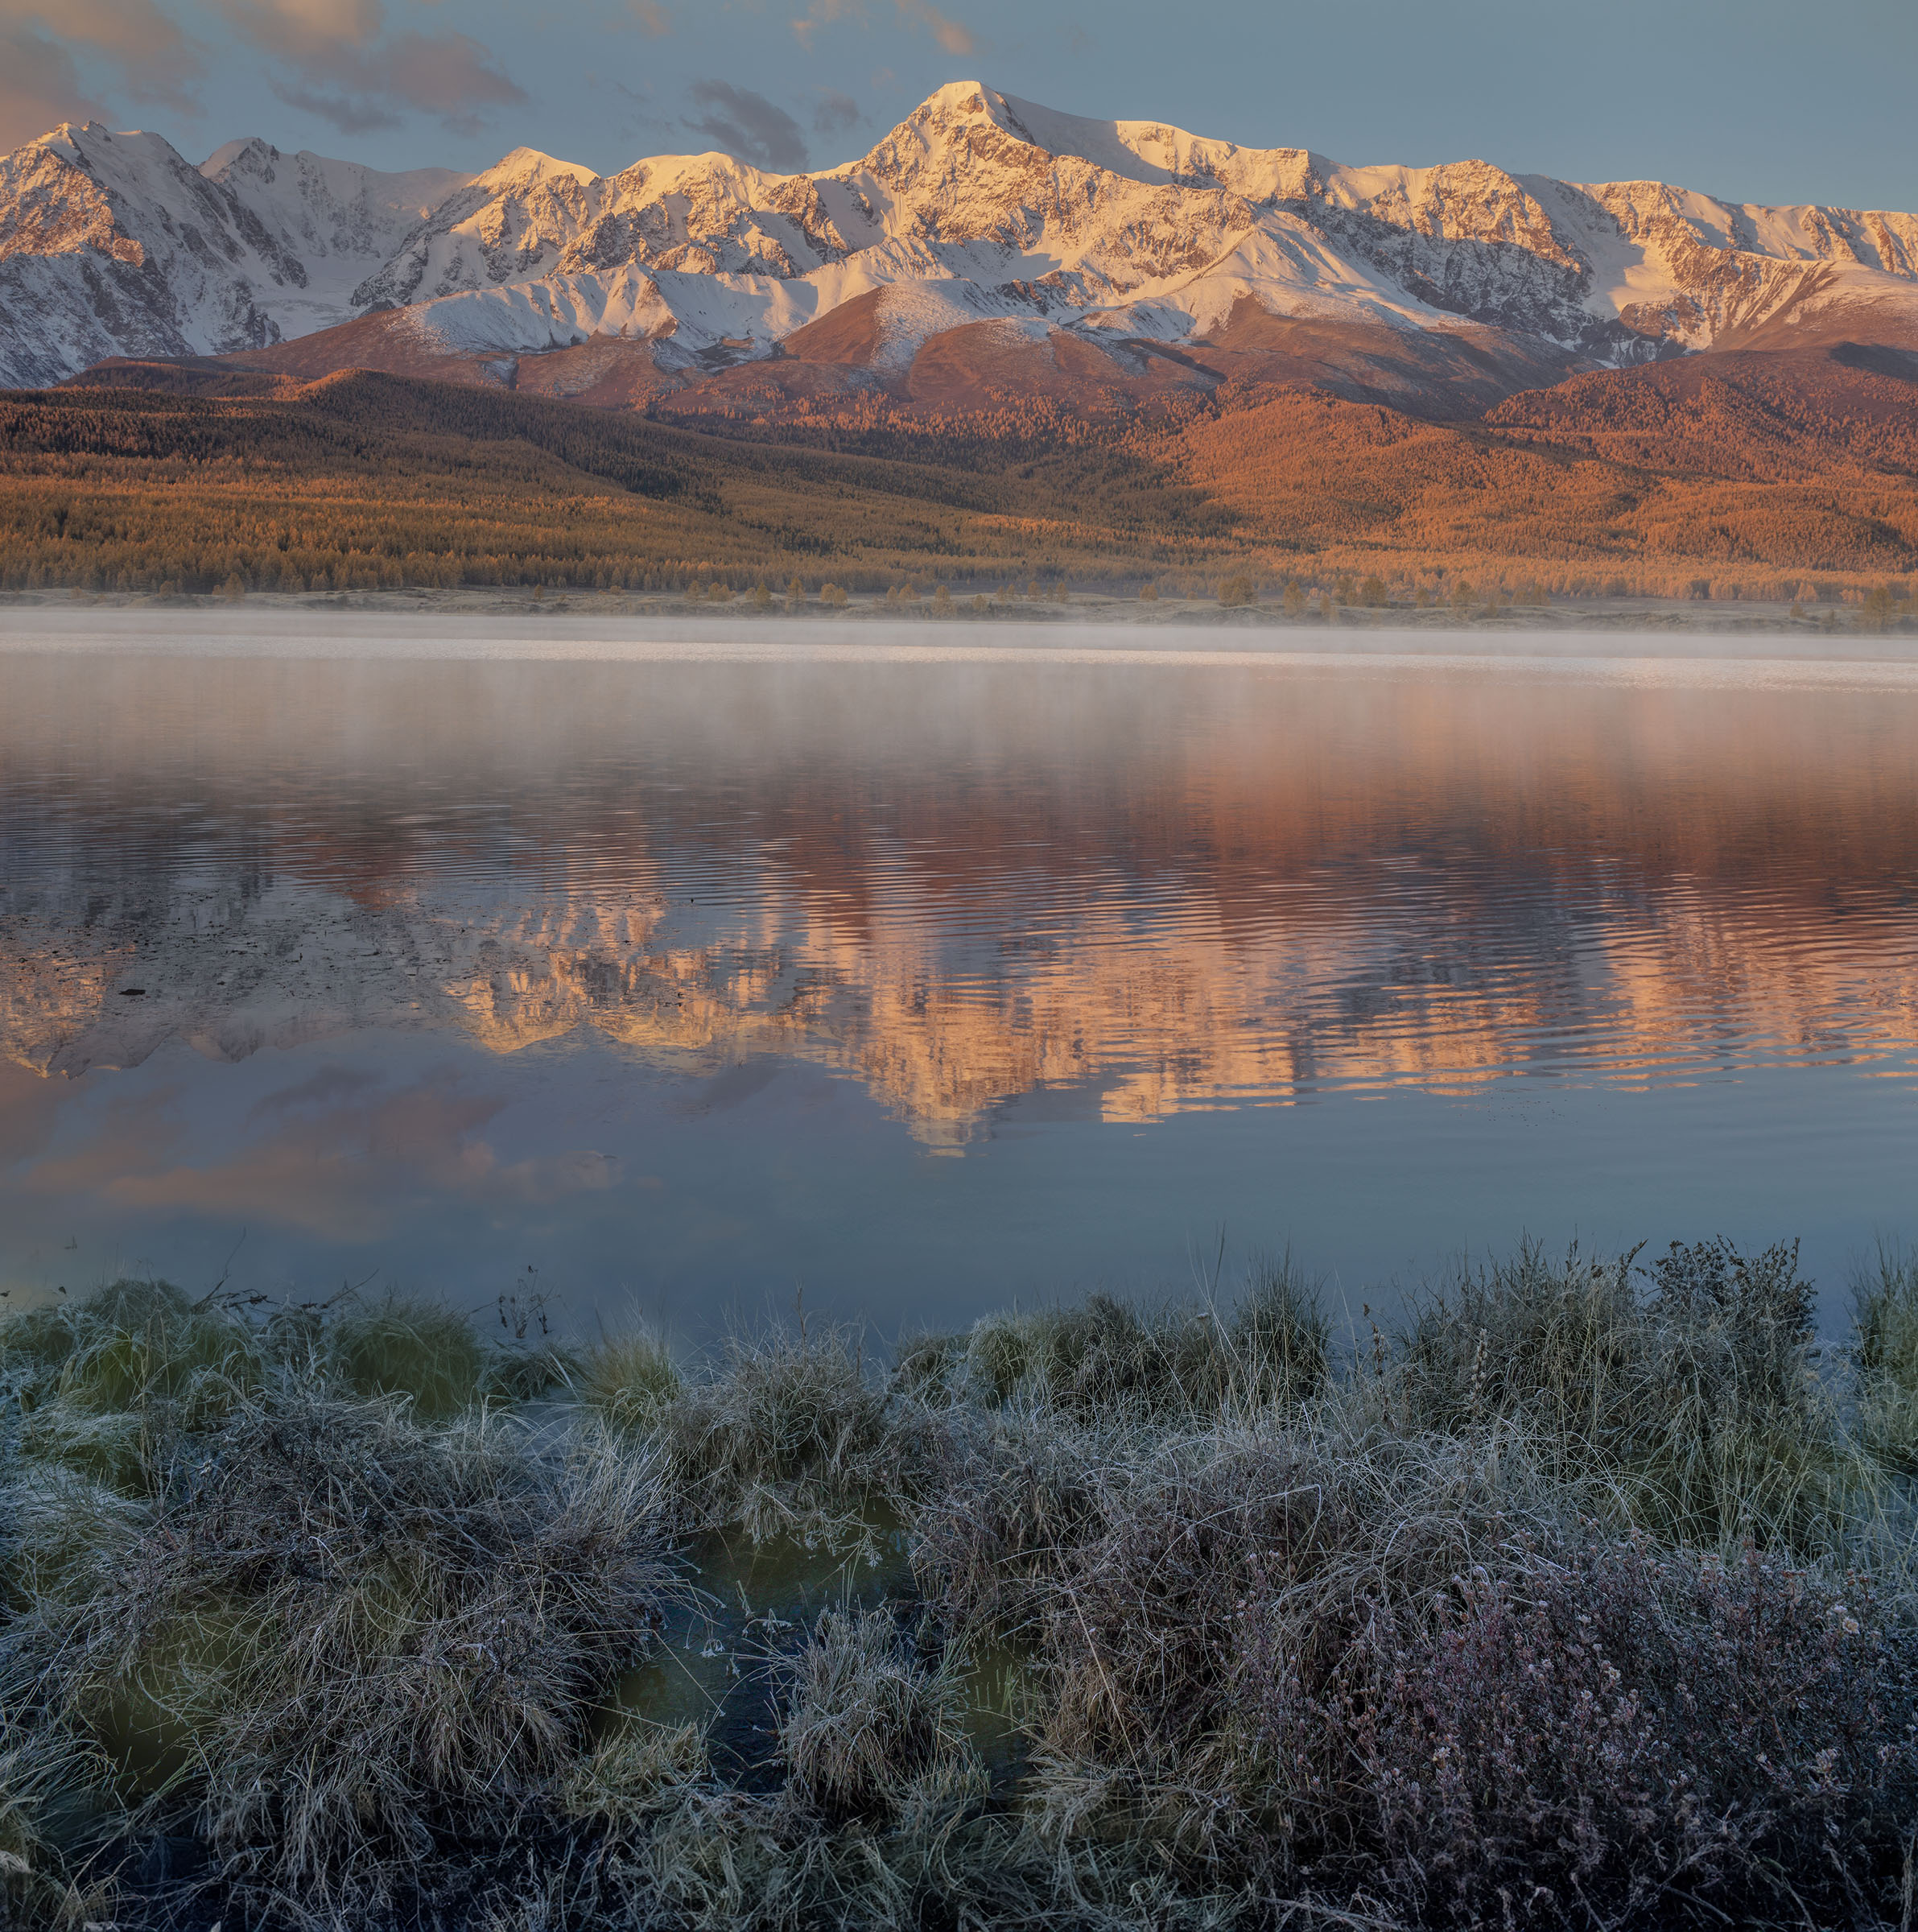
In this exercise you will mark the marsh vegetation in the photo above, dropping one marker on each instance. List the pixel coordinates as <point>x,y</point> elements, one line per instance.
<point>1584,1599</point>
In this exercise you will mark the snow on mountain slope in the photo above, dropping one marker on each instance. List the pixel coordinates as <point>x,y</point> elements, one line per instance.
<point>341,221</point>
<point>977,207</point>
<point>959,198</point>
<point>115,245</point>
<point>1129,227</point>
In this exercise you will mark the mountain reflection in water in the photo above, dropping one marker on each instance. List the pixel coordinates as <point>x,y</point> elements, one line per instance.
<point>1144,892</point>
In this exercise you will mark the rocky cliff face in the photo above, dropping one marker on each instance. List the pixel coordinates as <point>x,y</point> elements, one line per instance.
<point>978,206</point>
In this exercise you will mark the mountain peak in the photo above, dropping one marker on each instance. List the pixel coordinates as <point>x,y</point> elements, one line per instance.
<point>249,148</point>
<point>529,164</point>
<point>1116,238</point>
<point>958,101</point>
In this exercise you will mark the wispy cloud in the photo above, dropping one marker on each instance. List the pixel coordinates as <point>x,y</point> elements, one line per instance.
<point>747,125</point>
<point>951,35</point>
<point>650,17</point>
<point>836,114</point>
<point>350,114</point>
<point>954,38</point>
<point>347,70</point>
<point>40,86</point>
<point>40,83</point>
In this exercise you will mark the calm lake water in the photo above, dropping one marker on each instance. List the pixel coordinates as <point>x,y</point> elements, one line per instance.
<point>918,982</point>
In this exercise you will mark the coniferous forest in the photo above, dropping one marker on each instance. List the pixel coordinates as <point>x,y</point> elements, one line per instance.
<point>1769,477</point>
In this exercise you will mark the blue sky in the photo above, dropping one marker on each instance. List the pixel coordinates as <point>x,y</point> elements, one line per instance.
<point>1761,101</point>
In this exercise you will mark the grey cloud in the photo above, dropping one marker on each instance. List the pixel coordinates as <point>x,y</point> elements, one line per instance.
<point>449,75</point>
<point>352,114</point>
<point>747,125</point>
<point>836,114</point>
<point>345,72</point>
<point>157,61</point>
<point>39,88</point>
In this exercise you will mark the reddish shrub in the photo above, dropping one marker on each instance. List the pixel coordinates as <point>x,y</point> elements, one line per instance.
<point>1619,1735</point>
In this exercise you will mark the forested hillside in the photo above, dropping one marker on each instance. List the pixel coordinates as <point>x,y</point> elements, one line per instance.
<point>369,481</point>
<point>1735,474</point>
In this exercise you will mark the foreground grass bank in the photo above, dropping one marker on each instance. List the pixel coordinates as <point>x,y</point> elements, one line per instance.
<point>1586,1599</point>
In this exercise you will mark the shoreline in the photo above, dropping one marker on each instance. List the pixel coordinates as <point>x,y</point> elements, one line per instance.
<point>1575,617</point>
<point>1637,639</point>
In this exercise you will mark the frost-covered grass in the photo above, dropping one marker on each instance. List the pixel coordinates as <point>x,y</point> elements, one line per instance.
<point>1887,1350</point>
<point>1587,1599</point>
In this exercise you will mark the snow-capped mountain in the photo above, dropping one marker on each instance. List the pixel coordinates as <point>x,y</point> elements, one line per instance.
<point>1129,235</point>
<point>113,245</point>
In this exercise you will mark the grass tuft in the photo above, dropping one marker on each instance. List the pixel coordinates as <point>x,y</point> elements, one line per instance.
<point>1694,1400</point>
<point>638,1773</point>
<point>347,1632</point>
<point>401,1345</point>
<point>792,1432</point>
<point>630,1379</point>
<point>1887,1319</point>
<point>1281,1341</point>
<point>99,1381</point>
<point>864,1719</point>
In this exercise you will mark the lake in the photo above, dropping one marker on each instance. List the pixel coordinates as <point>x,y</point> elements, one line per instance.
<point>912,973</point>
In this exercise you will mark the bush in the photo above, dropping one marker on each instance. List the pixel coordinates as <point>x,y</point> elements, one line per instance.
<point>1235,592</point>
<point>1696,1402</point>
<point>1195,1633</point>
<point>1610,1735</point>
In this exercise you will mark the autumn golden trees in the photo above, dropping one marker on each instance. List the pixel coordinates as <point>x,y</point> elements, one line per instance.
<point>1754,477</point>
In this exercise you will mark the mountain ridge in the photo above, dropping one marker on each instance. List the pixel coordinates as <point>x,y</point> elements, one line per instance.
<point>1122,246</point>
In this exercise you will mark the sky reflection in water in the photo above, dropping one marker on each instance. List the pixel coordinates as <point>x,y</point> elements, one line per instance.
<point>919,987</point>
